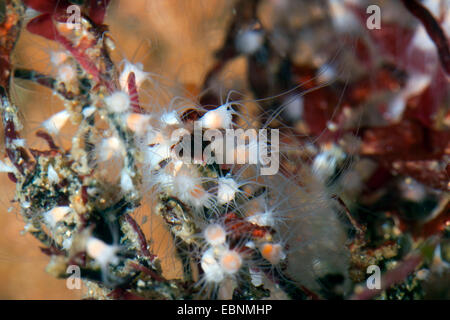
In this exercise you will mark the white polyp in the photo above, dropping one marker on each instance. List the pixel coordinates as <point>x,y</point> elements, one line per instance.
<point>5,167</point>
<point>25,205</point>
<point>343,19</point>
<point>28,228</point>
<point>139,74</point>
<point>103,253</point>
<point>293,108</point>
<point>118,102</point>
<point>215,234</point>
<point>326,73</point>
<point>220,118</point>
<point>66,73</point>
<point>324,165</point>
<point>230,261</point>
<point>438,264</point>
<point>326,162</point>
<point>137,122</point>
<point>249,41</point>
<point>227,189</point>
<point>154,137</point>
<point>422,40</point>
<point>175,166</point>
<point>88,111</point>
<point>164,180</point>
<point>126,183</point>
<point>110,147</point>
<point>212,270</point>
<point>170,118</point>
<point>396,107</point>
<point>58,57</point>
<point>417,82</point>
<point>55,123</point>
<point>256,277</point>
<point>67,243</point>
<point>19,142</point>
<point>262,219</point>
<point>412,190</point>
<point>55,215</point>
<point>250,245</point>
<point>157,153</point>
<point>190,190</point>
<point>52,175</point>
<point>434,7</point>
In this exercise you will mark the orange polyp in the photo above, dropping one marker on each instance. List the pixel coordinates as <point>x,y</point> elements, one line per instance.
<point>197,192</point>
<point>136,122</point>
<point>66,73</point>
<point>271,252</point>
<point>267,250</point>
<point>231,262</point>
<point>215,234</point>
<point>216,121</point>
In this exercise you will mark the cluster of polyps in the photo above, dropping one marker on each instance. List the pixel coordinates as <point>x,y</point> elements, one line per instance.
<point>198,197</point>
<point>218,260</point>
<point>232,246</point>
<point>204,192</point>
<point>230,239</point>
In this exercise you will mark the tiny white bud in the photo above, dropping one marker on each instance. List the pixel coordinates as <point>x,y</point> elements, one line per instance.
<point>118,102</point>
<point>52,174</point>
<point>226,190</point>
<point>55,215</point>
<point>54,124</point>
<point>220,118</point>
